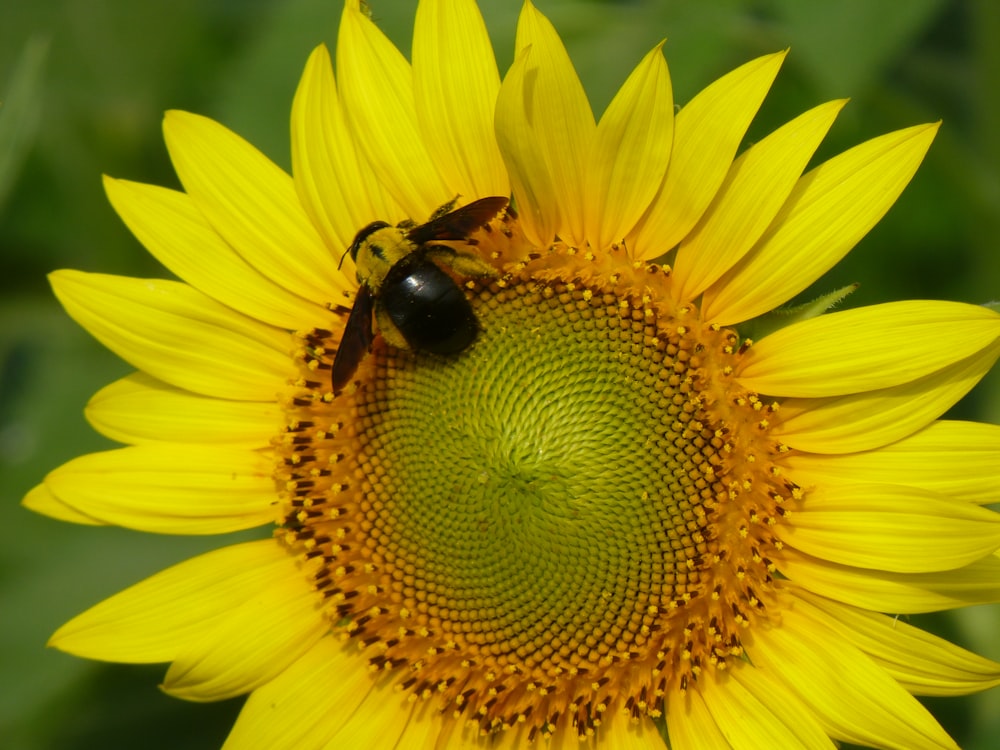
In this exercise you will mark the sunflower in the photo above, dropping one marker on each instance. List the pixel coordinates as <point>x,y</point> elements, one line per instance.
<point>612,519</point>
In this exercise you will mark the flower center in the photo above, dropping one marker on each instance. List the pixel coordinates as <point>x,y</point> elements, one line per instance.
<point>566,518</point>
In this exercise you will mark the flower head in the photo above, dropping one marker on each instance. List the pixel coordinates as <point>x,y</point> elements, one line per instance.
<point>605,517</point>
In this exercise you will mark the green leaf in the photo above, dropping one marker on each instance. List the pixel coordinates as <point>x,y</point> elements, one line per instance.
<point>846,46</point>
<point>21,111</point>
<point>770,322</point>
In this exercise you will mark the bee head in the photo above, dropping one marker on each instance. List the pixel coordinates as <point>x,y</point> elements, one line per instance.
<point>364,234</point>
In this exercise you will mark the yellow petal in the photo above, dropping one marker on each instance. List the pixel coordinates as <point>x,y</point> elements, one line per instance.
<point>958,459</point>
<point>455,86</point>
<point>155,619</point>
<point>690,724</point>
<point>171,489</point>
<point>707,132</point>
<point>175,232</point>
<point>252,204</point>
<point>141,409</point>
<point>305,705</point>
<point>889,527</point>
<point>41,500</point>
<point>378,721</point>
<point>855,699</point>
<point>424,729</point>
<point>256,640</point>
<point>867,348</point>
<point>922,663</point>
<point>535,196</point>
<point>376,86</point>
<point>336,186</point>
<point>831,208</point>
<point>616,732</point>
<point>623,733</point>
<point>630,152</point>
<point>178,335</point>
<point>860,422</point>
<point>905,593</point>
<point>559,118</point>
<point>753,719</point>
<point>424,732</point>
<point>754,190</point>
<point>796,716</point>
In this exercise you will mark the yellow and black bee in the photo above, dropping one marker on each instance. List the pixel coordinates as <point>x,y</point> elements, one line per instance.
<point>416,305</point>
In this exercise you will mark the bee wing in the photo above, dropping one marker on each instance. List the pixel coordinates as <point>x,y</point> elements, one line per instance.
<point>460,223</point>
<point>356,341</point>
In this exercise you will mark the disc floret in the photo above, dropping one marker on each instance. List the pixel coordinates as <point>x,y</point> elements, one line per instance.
<point>573,517</point>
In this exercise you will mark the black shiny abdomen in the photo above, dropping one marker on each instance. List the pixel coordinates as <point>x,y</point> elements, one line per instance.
<point>428,308</point>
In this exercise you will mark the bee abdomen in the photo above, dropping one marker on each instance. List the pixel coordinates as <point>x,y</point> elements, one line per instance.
<point>429,309</point>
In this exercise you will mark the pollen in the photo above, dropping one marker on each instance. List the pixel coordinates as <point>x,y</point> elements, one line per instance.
<point>571,517</point>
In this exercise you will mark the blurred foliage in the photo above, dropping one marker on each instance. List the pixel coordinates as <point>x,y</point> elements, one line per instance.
<point>84,83</point>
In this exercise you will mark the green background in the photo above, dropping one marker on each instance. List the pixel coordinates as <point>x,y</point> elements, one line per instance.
<point>85,83</point>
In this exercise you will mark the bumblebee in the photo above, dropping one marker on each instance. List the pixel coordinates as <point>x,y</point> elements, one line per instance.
<point>415,304</point>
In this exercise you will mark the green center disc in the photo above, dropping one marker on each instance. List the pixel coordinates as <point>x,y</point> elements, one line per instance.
<point>538,497</point>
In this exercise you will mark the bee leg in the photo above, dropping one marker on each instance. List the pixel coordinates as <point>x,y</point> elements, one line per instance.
<point>445,209</point>
<point>388,330</point>
<point>464,264</point>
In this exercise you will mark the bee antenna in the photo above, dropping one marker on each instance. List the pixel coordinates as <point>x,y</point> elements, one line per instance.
<point>339,265</point>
